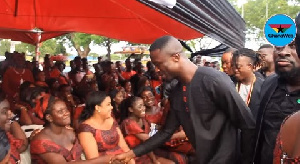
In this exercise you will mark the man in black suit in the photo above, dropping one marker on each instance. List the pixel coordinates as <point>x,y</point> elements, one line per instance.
<point>248,84</point>
<point>204,102</point>
<point>280,97</point>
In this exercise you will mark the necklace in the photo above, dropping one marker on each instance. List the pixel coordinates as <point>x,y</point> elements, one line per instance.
<point>20,74</point>
<point>250,90</point>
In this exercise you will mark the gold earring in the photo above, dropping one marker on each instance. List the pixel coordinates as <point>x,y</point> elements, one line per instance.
<point>98,111</point>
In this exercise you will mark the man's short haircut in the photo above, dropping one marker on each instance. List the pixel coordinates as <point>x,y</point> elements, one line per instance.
<point>160,43</point>
<point>266,46</point>
<point>248,53</point>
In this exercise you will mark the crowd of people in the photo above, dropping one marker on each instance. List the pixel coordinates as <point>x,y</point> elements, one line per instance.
<point>171,111</point>
<point>98,114</point>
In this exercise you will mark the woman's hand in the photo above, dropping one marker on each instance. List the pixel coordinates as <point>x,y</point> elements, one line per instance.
<point>34,133</point>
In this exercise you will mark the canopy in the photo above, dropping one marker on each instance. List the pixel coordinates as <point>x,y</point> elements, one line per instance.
<point>214,52</point>
<point>138,21</point>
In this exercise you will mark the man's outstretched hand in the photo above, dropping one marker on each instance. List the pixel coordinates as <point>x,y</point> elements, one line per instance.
<point>124,157</point>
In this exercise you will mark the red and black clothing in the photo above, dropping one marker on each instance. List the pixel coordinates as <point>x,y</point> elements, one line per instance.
<point>107,140</point>
<point>38,147</point>
<point>212,101</point>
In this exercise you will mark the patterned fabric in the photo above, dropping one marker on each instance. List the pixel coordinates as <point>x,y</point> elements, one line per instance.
<point>15,144</point>
<point>155,118</point>
<point>13,79</point>
<point>177,145</point>
<point>107,140</point>
<point>41,84</point>
<point>38,147</point>
<point>61,78</point>
<point>156,85</point>
<point>41,105</point>
<point>127,75</point>
<point>178,158</point>
<point>279,155</point>
<point>78,110</point>
<point>130,128</point>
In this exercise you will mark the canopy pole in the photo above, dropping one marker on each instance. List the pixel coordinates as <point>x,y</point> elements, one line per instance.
<point>16,7</point>
<point>37,46</point>
<point>37,51</point>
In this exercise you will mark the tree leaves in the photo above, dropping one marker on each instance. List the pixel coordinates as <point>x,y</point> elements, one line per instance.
<point>4,46</point>
<point>52,46</point>
<point>26,48</point>
<point>257,12</point>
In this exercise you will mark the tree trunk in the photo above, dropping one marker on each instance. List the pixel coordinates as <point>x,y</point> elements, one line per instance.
<point>108,46</point>
<point>86,49</point>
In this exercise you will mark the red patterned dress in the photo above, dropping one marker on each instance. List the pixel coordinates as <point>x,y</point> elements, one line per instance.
<point>279,155</point>
<point>15,144</point>
<point>107,140</point>
<point>130,128</point>
<point>155,118</point>
<point>38,147</point>
<point>166,151</point>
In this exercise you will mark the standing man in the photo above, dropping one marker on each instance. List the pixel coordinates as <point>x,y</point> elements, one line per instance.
<point>268,66</point>
<point>227,63</point>
<point>280,96</point>
<point>204,102</point>
<point>248,85</point>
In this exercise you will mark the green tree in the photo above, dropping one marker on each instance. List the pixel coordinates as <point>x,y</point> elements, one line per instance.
<point>52,46</point>
<point>106,42</point>
<point>60,48</point>
<point>81,42</point>
<point>26,48</point>
<point>257,12</point>
<point>4,46</point>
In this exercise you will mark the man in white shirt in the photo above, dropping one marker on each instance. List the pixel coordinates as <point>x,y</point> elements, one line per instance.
<point>248,85</point>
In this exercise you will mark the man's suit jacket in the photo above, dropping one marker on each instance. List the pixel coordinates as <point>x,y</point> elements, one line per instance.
<point>269,86</point>
<point>255,96</point>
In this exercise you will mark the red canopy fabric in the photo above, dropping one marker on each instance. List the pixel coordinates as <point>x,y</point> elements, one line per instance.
<point>127,20</point>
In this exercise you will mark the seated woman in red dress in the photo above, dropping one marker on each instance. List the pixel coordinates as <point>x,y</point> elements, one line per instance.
<point>99,133</point>
<point>156,115</point>
<point>128,88</point>
<point>136,128</point>
<point>15,135</point>
<point>117,97</point>
<point>40,79</point>
<point>29,104</point>
<point>57,73</point>
<point>287,149</point>
<point>56,143</point>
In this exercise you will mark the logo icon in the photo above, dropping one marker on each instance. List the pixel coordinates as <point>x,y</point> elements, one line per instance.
<point>280,27</point>
<point>280,30</point>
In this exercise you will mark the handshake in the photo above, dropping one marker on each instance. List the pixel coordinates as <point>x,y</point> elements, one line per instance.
<point>124,158</point>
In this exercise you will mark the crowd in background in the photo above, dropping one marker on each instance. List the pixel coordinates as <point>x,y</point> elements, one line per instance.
<point>109,111</point>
